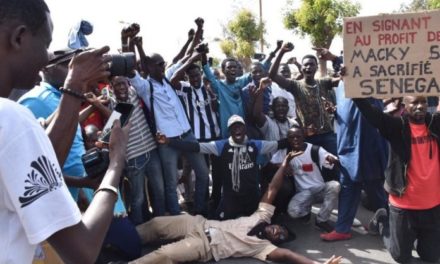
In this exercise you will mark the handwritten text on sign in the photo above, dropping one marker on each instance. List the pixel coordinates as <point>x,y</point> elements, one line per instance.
<point>392,55</point>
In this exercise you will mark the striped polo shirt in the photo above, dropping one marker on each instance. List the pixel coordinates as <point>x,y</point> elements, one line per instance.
<point>202,119</point>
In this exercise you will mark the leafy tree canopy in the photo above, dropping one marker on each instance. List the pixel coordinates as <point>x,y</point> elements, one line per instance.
<point>320,19</point>
<point>242,33</point>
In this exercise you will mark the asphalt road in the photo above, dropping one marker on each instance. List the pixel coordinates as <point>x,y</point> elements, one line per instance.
<point>361,249</point>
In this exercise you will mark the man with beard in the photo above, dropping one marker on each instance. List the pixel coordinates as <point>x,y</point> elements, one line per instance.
<point>411,180</point>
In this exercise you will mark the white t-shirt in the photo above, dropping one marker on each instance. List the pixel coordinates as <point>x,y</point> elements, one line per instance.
<point>306,172</point>
<point>34,201</point>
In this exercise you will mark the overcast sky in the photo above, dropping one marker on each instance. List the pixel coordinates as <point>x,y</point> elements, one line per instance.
<point>165,23</point>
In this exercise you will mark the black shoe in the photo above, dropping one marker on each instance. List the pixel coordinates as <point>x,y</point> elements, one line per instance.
<point>378,219</point>
<point>305,219</point>
<point>324,226</point>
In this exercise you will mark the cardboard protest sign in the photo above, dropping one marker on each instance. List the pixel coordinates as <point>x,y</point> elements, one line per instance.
<point>392,55</point>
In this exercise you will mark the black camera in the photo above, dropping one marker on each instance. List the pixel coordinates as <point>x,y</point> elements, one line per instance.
<point>122,64</point>
<point>96,161</point>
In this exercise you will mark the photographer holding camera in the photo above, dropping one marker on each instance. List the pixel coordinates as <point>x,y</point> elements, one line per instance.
<point>35,204</point>
<point>43,100</point>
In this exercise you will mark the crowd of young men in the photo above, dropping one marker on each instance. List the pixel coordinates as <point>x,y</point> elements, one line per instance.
<point>253,144</point>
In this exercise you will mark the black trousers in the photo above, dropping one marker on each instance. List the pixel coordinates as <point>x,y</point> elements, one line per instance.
<point>407,226</point>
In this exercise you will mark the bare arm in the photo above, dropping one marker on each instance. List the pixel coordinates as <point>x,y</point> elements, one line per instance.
<point>128,33</point>
<point>138,42</point>
<point>198,37</point>
<point>325,54</point>
<point>82,182</point>
<point>184,48</point>
<point>273,72</point>
<point>103,109</point>
<point>277,180</point>
<point>96,103</point>
<point>267,62</point>
<point>82,242</point>
<point>86,112</point>
<point>180,72</point>
<point>286,255</point>
<point>85,69</point>
<point>257,113</point>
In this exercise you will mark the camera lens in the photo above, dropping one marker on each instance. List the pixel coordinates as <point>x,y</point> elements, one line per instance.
<point>122,64</point>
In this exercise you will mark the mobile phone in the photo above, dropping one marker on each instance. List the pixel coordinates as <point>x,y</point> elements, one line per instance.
<point>122,112</point>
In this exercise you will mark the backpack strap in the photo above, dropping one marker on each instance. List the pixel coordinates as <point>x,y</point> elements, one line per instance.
<point>151,119</point>
<point>314,153</point>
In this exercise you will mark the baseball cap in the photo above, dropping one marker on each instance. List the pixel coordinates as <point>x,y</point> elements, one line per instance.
<point>235,119</point>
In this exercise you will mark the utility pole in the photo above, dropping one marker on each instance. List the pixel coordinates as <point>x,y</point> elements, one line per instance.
<point>261,23</point>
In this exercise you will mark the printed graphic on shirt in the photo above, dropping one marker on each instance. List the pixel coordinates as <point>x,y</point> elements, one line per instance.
<point>421,140</point>
<point>245,161</point>
<point>43,178</point>
<point>307,167</point>
<point>301,169</point>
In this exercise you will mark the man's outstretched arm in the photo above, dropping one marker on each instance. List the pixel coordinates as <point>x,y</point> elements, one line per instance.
<point>288,256</point>
<point>277,181</point>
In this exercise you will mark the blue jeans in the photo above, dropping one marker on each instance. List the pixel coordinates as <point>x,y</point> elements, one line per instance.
<point>137,169</point>
<point>350,197</point>
<point>169,157</point>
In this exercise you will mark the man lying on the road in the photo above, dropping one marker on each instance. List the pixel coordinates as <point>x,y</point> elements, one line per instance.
<point>203,240</point>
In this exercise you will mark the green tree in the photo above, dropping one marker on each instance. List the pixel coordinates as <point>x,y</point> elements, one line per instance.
<point>321,20</point>
<point>242,32</point>
<point>418,5</point>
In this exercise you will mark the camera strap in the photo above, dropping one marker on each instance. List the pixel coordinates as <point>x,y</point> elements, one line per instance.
<point>149,113</point>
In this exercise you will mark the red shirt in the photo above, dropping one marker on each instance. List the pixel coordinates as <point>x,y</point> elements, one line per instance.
<point>95,118</point>
<point>423,175</point>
